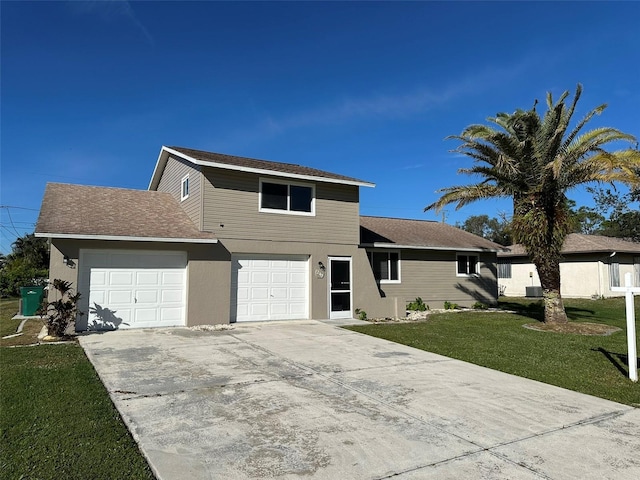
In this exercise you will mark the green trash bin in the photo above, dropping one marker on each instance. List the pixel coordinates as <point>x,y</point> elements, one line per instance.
<point>31,300</point>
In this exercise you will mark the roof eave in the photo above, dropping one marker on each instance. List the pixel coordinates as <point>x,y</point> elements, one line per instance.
<point>166,151</point>
<point>426,247</point>
<point>128,238</point>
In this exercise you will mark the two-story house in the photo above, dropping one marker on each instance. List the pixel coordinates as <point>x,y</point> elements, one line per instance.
<point>218,238</point>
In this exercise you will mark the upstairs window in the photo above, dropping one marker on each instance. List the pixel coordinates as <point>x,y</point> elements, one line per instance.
<point>468,265</point>
<point>281,197</point>
<point>386,266</point>
<point>184,188</point>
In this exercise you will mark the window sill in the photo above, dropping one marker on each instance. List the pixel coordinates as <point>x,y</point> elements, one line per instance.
<point>287,212</point>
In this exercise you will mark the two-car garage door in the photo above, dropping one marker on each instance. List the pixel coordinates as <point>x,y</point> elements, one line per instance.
<point>132,289</point>
<point>269,287</point>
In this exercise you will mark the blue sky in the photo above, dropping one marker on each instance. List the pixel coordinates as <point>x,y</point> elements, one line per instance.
<point>92,90</point>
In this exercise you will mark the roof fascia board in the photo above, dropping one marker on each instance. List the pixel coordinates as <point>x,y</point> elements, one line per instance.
<point>425,247</point>
<point>261,171</point>
<point>73,236</point>
<point>159,168</point>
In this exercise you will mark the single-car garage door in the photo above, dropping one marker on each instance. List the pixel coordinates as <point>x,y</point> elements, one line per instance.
<point>131,289</point>
<point>269,288</point>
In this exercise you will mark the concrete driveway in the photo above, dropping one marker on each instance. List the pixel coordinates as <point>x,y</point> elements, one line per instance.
<point>308,399</point>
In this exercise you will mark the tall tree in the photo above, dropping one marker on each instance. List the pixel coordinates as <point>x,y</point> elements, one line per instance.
<point>535,161</point>
<point>27,264</point>
<point>494,229</point>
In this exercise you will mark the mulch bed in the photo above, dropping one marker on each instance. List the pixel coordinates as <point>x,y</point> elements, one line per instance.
<point>575,328</point>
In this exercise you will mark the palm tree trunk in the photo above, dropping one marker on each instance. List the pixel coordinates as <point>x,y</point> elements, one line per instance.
<point>549,272</point>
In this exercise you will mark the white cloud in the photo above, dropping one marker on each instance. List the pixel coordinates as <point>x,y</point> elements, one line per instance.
<point>112,11</point>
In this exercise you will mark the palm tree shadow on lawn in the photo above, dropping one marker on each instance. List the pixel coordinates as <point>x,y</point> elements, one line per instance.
<point>535,310</point>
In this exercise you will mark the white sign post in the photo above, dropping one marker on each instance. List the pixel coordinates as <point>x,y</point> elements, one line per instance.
<point>629,290</point>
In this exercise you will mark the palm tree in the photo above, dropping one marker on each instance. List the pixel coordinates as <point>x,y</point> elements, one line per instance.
<point>535,161</point>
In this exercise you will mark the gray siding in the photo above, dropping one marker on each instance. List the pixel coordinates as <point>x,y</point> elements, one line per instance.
<point>231,210</point>
<point>431,275</point>
<point>171,181</point>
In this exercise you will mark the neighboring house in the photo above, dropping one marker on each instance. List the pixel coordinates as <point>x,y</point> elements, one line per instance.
<point>591,265</point>
<point>219,239</point>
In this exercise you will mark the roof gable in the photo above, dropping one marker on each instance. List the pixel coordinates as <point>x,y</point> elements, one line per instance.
<point>265,167</point>
<point>420,234</point>
<point>80,211</point>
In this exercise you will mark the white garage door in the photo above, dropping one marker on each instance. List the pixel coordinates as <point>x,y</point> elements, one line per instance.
<point>131,289</point>
<point>269,288</point>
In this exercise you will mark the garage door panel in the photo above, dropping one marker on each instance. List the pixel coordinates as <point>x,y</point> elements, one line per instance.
<point>120,297</point>
<point>270,288</point>
<point>148,278</point>
<point>98,278</point>
<point>297,294</point>
<point>120,278</point>
<point>171,296</point>
<point>172,278</point>
<point>280,277</point>
<point>259,293</point>
<point>146,315</point>
<point>146,296</point>
<point>258,278</point>
<point>133,289</point>
<point>279,293</point>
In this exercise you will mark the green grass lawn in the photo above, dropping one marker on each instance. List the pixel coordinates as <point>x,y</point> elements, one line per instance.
<point>596,365</point>
<point>56,418</point>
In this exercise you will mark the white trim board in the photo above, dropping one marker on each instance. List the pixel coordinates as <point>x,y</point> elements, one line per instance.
<point>73,236</point>
<point>165,151</point>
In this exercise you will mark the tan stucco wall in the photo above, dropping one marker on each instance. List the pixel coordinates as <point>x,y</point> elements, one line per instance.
<point>582,276</point>
<point>432,276</point>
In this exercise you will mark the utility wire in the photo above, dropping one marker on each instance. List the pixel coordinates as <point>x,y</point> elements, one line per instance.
<point>11,220</point>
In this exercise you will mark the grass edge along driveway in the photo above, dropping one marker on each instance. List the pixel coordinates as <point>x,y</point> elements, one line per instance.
<point>596,365</point>
<point>56,418</point>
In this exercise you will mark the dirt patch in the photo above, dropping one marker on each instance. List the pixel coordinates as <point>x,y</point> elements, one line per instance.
<point>575,328</point>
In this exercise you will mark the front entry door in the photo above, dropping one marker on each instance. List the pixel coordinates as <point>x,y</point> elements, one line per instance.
<point>340,287</point>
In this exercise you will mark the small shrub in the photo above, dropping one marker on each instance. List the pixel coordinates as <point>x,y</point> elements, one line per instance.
<point>61,312</point>
<point>417,305</point>
<point>361,314</point>
<point>480,306</point>
<point>449,305</point>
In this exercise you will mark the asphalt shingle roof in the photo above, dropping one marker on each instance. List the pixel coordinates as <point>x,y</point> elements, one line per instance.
<point>101,211</point>
<point>580,243</point>
<point>262,164</point>
<point>420,233</point>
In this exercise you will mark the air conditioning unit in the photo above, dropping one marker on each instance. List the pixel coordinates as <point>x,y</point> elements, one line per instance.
<point>533,292</point>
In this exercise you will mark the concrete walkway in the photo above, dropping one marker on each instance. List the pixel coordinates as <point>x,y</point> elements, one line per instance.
<point>308,399</point>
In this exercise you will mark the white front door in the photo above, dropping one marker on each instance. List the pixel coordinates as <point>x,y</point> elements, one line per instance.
<point>131,289</point>
<point>269,287</point>
<point>340,294</point>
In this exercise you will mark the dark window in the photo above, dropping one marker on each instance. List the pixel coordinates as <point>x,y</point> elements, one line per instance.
<point>504,268</point>
<point>300,198</point>
<point>385,265</point>
<point>281,196</point>
<point>467,264</point>
<point>274,195</point>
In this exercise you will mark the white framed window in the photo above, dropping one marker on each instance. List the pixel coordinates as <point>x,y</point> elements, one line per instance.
<point>385,266</point>
<point>287,197</point>
<point>467,265</point>
<point>614,274</point>
<point>504,268</point>
<point>184,188</point>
